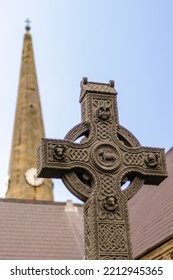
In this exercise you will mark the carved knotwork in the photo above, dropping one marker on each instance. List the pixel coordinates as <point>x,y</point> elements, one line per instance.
<point>78,154</point>
<point>103,130</point>
<point>142,159</point>
<point>112,238</point>
<point>95,170</point>
<point>133,159</point>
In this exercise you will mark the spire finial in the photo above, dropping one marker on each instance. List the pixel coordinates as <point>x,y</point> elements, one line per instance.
<point>27,27</point>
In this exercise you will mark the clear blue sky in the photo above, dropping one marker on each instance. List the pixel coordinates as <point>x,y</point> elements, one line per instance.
<point>129,41</point>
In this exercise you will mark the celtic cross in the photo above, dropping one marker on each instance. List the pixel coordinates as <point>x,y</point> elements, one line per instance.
<point>95,169</point>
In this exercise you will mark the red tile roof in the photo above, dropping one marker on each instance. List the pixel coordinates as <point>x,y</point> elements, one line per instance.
<point>33,230</point>
<point>151,213</point>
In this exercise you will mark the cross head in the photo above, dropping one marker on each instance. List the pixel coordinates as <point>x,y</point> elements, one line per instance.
<point>96,168</point>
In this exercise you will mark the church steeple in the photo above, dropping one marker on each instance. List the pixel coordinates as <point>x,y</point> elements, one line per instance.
<point>28,130</point>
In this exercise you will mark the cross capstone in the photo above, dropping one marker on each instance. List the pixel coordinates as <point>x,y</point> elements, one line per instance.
<point>96,169</point>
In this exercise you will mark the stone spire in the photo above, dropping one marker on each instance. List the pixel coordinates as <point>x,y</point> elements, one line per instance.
<point>28,130</point>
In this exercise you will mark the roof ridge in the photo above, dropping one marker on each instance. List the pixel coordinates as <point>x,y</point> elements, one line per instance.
<point>170,149</point>
<point>29,201</point>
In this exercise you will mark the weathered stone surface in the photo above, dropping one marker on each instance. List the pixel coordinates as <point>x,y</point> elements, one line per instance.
<point>28,130</point>
<point>96,169</point>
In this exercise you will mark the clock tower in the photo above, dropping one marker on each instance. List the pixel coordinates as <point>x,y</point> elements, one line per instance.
<point>28,130</point>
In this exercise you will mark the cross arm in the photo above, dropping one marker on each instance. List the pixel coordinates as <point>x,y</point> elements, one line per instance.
<point>150,163</point>
<point>56,156</point>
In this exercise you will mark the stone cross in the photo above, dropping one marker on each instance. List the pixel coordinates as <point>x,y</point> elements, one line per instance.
<point>95,169</point>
